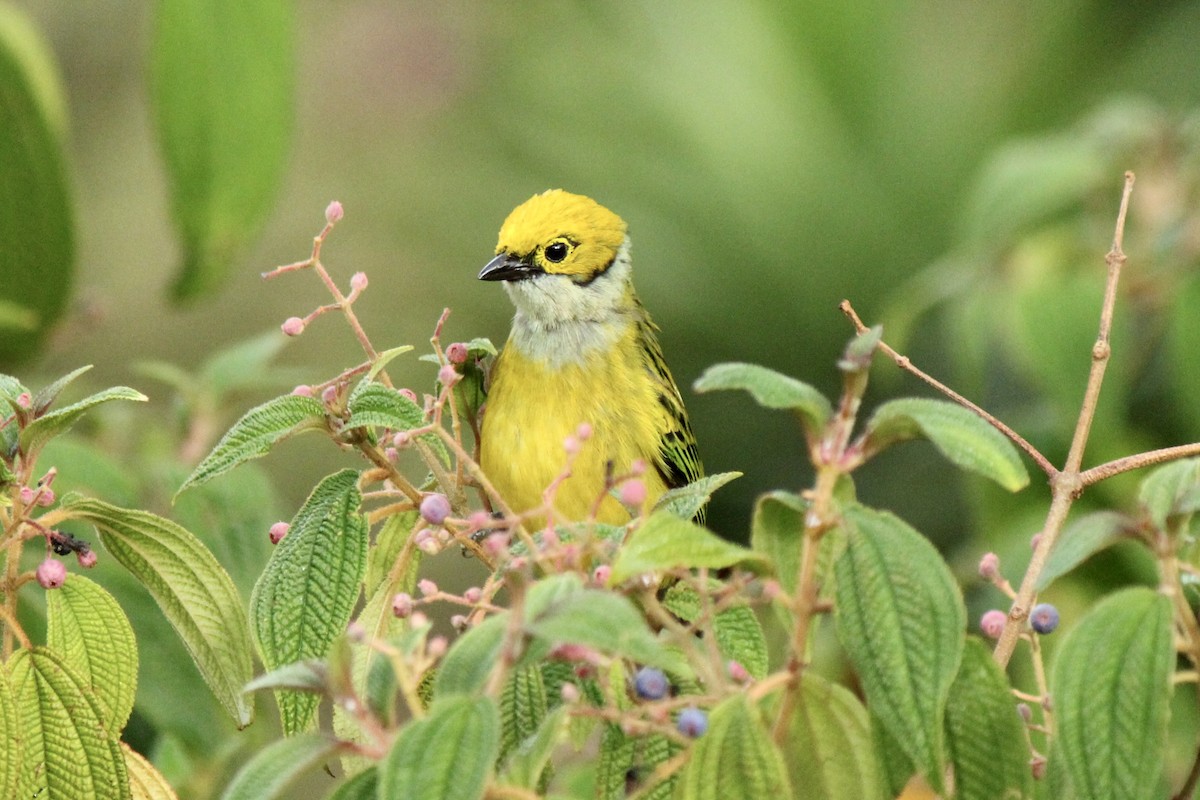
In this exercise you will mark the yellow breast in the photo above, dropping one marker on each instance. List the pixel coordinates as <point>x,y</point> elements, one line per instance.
<point>533,407</point>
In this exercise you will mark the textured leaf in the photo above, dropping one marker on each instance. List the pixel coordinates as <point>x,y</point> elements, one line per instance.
<point>770,389</point>
<point>1112,688</point>
<point>46,427</point>
<point>274,770</point>
<point>49,393</point>
<point>448,755</point>
<point>601,620</point>
<point>12,736</point>
<point>960,435</point>
<point>829,745</point>
<point>375,404</point>
<point>777,531</point>
<point>1171,491</point>
<point>735,758</point>
<point>665,542</point>
<point>194,593</point>
<point>739,635</point>
<point>145,782</point>
<point>1082,539</point>
<point>68,751</point>
<point>257,432</point>
<point>308,590</point>
<point>469,662</point>
<point>37,259</point>
<point>223,110</point>
<point>685,501</point>
<point>523,706</point>
<point>985,736</point>
<point>86,626</point>
<point>901,619</point>
<point>527,762</point>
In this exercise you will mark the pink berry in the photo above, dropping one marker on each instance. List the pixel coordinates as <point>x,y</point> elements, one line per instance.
<point>479,520</point>
<point>633,492</point>
<point>46,497</point>
<point>989,566</point>
<point>992,623</point>
<point>303,391</point>
<point>437,646</point>
<point>601,574</point>
<point>402,605</point>
<point>25,400</point>
<point>458,622</point>
<point>51,573</point>
<point>329,395</point>
<point>569,692</point>
<point>435,508</point>
<point>27,493</point>
<point>333,212</point>
<point>278,531</point>
<point>358,281</point>
<point>86,558</point>
<point>402,439</point>
<point>473,594</point>
<point>292,326</point>
<point>737,672</point>
<point>638,467</point>
<point>572,445</point>
<point>457,353</point>
<point>448,375</point>
<point>427,587</point>
<point>495,544</point>
<point>409,394</point>
<point>584,431</point>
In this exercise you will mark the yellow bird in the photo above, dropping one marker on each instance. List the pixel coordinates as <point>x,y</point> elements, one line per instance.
<point>582,350</point>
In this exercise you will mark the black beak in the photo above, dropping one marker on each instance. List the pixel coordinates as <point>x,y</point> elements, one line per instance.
<point>505,267</point>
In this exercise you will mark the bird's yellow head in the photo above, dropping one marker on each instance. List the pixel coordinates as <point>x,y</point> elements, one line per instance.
<point>556,233</point>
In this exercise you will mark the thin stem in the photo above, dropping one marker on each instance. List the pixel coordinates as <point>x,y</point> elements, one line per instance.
<point>1147,459</point>
<point>905,363</point>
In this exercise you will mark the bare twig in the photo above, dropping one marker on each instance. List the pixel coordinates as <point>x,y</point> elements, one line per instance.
<point>904,363</point>
<point>1148,459</point>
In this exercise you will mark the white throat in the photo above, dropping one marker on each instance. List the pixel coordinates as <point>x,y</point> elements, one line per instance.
<point>559,322</point>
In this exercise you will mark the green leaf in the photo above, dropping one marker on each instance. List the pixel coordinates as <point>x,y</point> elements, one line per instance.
<point>770,389</point>
<point>1082,539</point>
<point>223,110</point>
<point>88,628</point>
<point>302,676</point>
<point>897,768</point>
<point>46,427</point>
<point>145,782</point>
<point>1170,492</point>
<point>900,618</point>
<point>68,751</point>
<point>685,501</point>
<point>1111,686</point>
<point>523,704</point>
<point>665,542</point>
<point>527,763</point>
<point>245,365</point>
<point>377,405</point>
<point>601,620</point>
<point>735,758</point>
<point>194,593</point>
<point>448,755</point>
<point>48,394</point>
<point>985,737</point>
<point>37,259</point>
<point>777,531</point>
<point>308,590</point>
<point>958,433</point>
<point>829,744</point>
<point>257,432</point>
<point>274,770</point>
<point>469,662</point>
<point>739,635</point>
<point>361,787</point>
<point>12,736</point>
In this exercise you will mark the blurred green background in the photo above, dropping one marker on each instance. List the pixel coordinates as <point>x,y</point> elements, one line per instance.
<point>771,159</point>
<point>951,167</point>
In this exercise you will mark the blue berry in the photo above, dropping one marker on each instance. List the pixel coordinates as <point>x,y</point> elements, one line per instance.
<point>692,722</point>
<point>1044,618</point>
<point>651,684</point>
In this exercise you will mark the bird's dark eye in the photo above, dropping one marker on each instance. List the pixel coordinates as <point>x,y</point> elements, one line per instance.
<point>557,251</point>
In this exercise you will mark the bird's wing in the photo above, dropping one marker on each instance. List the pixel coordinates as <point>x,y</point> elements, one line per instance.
<point>677,459</point>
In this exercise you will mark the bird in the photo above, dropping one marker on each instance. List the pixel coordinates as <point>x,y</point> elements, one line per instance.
<point>582,350</point>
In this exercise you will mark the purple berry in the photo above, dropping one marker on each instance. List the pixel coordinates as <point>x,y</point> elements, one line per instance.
<point>457,353</point>
<point>651,683</point>
<point>51,573</point>
<point>1044,618</point>
<point>989,566</point>
<point>435,508</point>
<point>692,722</point>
